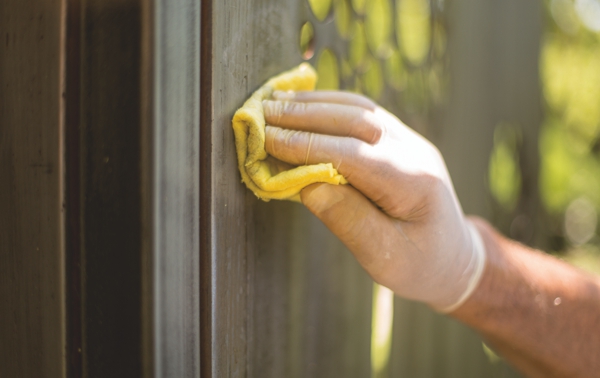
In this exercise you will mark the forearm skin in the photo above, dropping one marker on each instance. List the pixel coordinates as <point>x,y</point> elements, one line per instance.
<point>540,313</point>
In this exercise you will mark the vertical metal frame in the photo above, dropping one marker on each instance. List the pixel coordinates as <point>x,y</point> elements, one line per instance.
<point>110,187</point>
<point>132,187</point>
<point>171,188</point>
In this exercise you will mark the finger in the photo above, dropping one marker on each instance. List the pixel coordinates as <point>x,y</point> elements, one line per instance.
<point>360,163</point>
<point>361,226</point>
<point>330,119</point>
<point>330,97</point>
<point>304,148</point>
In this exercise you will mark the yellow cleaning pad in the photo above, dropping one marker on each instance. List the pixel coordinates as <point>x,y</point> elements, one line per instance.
<point>266,176</point>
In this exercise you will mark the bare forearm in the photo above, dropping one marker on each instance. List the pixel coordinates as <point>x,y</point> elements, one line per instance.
<point>540,313</point>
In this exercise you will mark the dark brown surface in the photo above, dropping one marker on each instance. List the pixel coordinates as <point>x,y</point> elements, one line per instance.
<point>132,156</point>
<point>206,43</point>
<point>110,188</point>
<point>72,156</point>
<point>138,165</point>
<point>31,273</point>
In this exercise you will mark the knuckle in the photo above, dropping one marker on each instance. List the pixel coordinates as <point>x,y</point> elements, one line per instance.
<point>276,111</point>
<point>293,107</point>
<point>272,110</point>
<point>366,100</point>
<point>286,138</point>
<point>377,133</point>
<point>372,127</point>
<point>290,144</point>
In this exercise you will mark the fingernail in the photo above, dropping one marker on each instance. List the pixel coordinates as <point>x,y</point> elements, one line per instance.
<point>284,95</point>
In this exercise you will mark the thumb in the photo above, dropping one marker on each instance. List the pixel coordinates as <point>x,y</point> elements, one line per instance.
<point>359,224</point>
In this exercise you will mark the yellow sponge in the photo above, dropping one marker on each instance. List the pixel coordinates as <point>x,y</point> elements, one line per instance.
<point>266,176</point>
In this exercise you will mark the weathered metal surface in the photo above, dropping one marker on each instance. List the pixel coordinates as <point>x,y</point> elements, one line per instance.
<point>281,297</point>
<point>310,301</point>
<point>172,162</point>
<point>32,323</point>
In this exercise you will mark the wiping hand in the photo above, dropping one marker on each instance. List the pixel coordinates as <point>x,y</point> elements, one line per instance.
<point>399,216</point>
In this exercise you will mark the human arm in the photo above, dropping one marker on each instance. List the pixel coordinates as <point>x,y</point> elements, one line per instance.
<point>401,219</point>
<point>400,216</point>
<point>540,313</point>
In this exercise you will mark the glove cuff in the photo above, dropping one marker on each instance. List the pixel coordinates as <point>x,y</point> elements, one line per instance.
<point>477,261</point>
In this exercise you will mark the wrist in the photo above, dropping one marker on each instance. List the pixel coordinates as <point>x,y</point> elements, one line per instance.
<point>534,309</point>
<point>471,275</point>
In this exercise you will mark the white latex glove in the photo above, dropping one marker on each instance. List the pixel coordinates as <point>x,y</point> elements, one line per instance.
<point>400,216</point>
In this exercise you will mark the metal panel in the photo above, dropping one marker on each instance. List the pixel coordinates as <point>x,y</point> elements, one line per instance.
<point>138,163</point>
<point>32,322</point>
<point>122,76</point>
<point>280,295</point>
<point>310,309</point>
<point>173,163</point>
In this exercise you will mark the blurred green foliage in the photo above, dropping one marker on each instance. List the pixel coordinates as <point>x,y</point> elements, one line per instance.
<point>320,8</point>
<point>373,79</point>
<point>307,34</point>
<point>569,139</point>
<point>379,26</point>
<point>381,326</point>
<point>395,71</point>
<point>359,6</point>
<point>327,70</point>
<point>570,135</point>
<point>587,257</point>
<point>504,171</point>
<point>570,69</point>
<point>413,29</point>
<point>357,48</point>
<point>343,17</point>
<point>394,49</point>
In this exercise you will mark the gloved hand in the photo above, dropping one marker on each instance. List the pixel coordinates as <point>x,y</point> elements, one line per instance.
<point>400,216</point>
